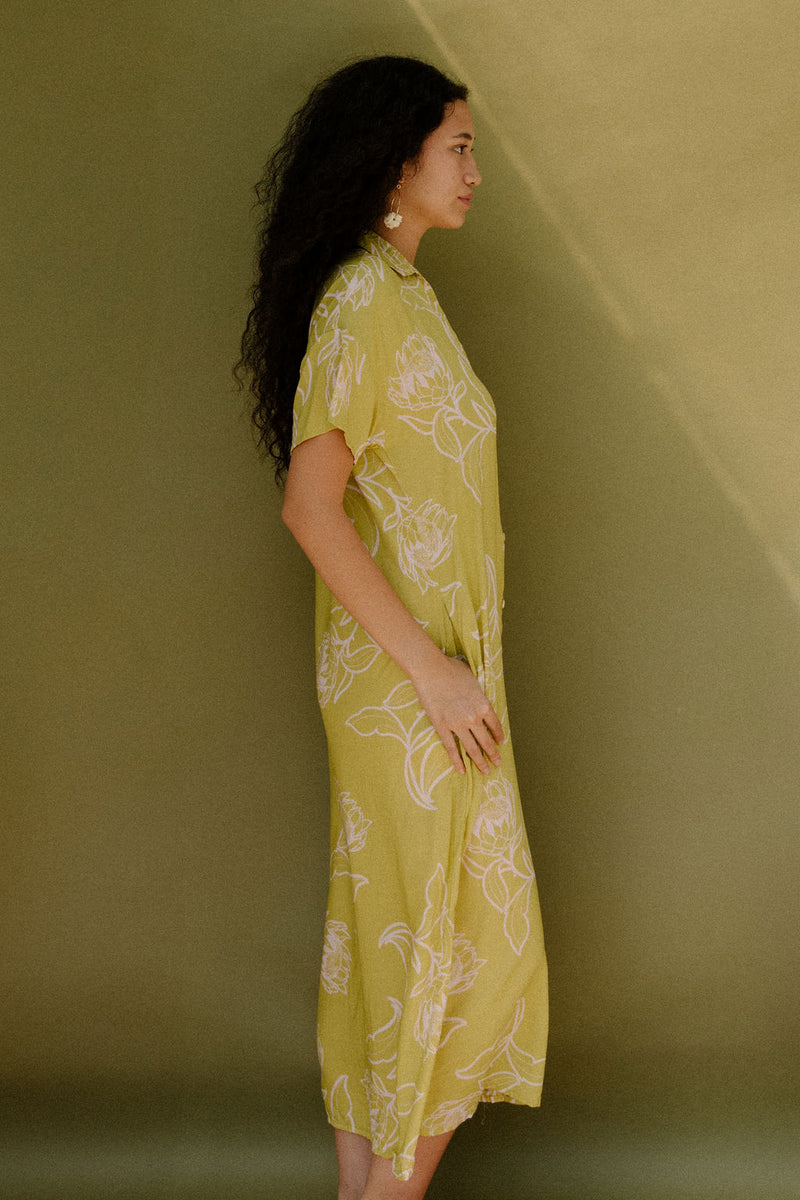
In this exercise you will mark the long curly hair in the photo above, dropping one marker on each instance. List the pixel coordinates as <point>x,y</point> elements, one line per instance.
<point>328,181</point>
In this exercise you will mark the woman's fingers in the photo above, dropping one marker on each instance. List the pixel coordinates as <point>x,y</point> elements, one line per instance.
<point>487,743</point>
<point>452,749</point>
<point>492,721</point>
<point>459,709</point>
<point>480,745</point>
<point>477,744</point>
<point>473,749</point>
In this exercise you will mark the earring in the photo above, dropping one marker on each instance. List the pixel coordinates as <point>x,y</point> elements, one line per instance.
<point>393,218</point>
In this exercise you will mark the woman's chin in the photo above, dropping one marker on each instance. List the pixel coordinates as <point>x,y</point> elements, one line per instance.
<point>454,220</point>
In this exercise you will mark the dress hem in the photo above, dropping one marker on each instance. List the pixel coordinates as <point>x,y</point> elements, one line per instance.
<point>486,1098</point>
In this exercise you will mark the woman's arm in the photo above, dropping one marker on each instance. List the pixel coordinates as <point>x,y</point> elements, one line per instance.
<point>447,688</point>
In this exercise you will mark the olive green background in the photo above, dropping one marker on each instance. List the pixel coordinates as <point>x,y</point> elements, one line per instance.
<point>627,286</point>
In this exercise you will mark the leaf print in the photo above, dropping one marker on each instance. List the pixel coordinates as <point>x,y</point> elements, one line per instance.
<point>336,957</point>
<point>504,1065</point>
<point>345,650</point>
<point>488,634</point>
<point>497,854</point>
<point>382,720</point>
<point>457,419</point>
<point>418,294</point>
<point>383,1120</point>
<point>436,964</point>
<point>360,512</point>
<point>388,1102</point>
<point>360,287</point>
<point>340,1105</point>
<point>345,360</point>
<point>327,668</point>
<point>449,1114</point>
<point>401,716</point>
<point>423,535</point>
<point>375,482</point>
<point>382,1044</point>
<point>449,594</point>
<point>387,1105</point>
<point>471,455</point>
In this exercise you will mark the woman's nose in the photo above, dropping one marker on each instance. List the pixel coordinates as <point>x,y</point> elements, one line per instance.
<point>472,175</point>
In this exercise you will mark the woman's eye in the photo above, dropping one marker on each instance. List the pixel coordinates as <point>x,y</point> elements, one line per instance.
<point>460,149</point>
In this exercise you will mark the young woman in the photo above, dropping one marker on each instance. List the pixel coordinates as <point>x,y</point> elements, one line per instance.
<point>433,984</point>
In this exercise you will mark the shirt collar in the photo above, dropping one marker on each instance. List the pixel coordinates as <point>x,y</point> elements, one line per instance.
<point>373,243</point>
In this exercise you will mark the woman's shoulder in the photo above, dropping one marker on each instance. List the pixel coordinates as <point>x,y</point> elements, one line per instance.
<point>362,288</point>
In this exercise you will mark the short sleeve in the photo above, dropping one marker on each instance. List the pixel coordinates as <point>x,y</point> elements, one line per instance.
<point>339,384</point>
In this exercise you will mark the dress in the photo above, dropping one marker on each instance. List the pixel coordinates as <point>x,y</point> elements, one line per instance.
<point>433,990</point>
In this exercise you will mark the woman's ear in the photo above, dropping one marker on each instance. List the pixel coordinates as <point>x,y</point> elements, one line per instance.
<point>410,169</point>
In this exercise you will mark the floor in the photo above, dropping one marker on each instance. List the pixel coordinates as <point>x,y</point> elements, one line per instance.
<point>175,1150</point>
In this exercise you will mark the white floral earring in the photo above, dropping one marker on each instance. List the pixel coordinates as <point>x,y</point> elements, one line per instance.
<point>393,218</point>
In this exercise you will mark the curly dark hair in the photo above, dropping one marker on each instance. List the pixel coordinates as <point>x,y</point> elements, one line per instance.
<point>328,181</point>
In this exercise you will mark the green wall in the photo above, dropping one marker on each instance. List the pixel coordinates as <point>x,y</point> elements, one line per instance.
<point>165,780</point>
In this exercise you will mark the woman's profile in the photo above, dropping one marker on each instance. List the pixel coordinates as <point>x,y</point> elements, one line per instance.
<point>433,990</point>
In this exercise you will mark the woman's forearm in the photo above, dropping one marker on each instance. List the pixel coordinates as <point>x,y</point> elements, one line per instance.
<point>446,687</point>
<point>346,567</point>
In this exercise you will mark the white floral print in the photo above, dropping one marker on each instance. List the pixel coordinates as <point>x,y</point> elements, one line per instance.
<point>435,966</point>
<point>402,717</point>
<point>344,651</point>
<point>340,1104</point>
<point>389,1103</point>
<point>336,957</point>
<point>423,379</point>
<point>352,838</point>
<point>344,361</point>
<point>425,540</point>
<point>488,635</point>
<point>498,855</point>
<point>505,1066</point>
<point>433,983</point>
<point>457,419</point>
<point>360,287</point>
<point>449,1114</point>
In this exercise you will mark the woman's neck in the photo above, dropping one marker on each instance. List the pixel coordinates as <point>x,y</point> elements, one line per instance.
<point>404,238</point>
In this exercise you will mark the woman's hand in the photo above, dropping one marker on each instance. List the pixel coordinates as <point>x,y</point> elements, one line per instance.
<point>457,707</point>
<point>447,688</point>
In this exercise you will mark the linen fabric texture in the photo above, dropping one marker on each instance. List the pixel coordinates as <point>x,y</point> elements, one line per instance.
<point>433,989</point>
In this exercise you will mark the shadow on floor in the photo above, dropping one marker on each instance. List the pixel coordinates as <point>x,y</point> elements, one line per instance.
<point>203,1149</point>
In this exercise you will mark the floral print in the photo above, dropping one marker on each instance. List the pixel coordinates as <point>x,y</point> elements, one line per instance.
<point>352,837</point>
<point>456,418</point>
<point>498,855</point>
<point>505,1066</point>
<point>400,716</point>
<point>344,651</point>
<point>425,539</point>
<point>423,379</point>
<point>336,957</point>
<point>432,968</point>
<point>433,985</point>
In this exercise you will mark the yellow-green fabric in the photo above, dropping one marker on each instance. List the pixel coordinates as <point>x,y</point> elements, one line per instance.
<point>433,991</point>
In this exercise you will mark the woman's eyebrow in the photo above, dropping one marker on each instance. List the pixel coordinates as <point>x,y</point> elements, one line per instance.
<point>469,136</point>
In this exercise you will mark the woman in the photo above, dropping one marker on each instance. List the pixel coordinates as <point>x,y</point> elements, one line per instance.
<point>433,983</point>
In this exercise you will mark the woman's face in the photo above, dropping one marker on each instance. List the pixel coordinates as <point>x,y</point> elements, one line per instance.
<point>436,190</point>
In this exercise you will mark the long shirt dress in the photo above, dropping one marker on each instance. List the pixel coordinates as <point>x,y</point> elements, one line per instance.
<point>433,990</point>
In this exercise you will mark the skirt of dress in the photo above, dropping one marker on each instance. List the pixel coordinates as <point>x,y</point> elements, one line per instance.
<point>433,990</point>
